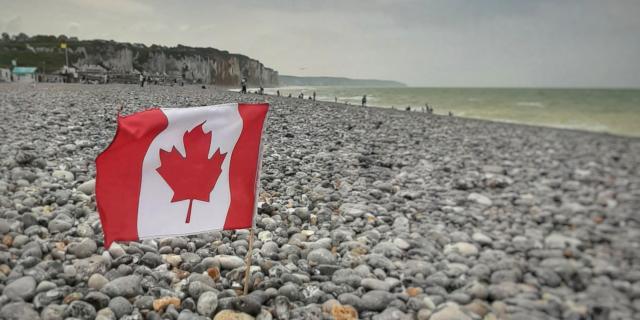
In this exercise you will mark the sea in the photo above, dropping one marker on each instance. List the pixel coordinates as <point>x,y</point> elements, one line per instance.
<point>614,111</point>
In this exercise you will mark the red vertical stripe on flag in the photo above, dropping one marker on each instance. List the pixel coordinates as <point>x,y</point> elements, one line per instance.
<point>243,171</point>
<point>119,176</point>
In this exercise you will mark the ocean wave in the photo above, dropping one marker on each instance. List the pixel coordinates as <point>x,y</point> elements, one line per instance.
<point>535,104</point>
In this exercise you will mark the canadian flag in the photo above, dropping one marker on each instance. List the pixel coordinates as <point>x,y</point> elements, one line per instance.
<point>180,171</point>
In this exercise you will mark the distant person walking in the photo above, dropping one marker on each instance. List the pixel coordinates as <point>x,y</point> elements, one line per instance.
<point>142,78</point>
<point>261,90</point>
<point>278,93</point>
<point>314,96</point>
<point>364,100</point>
<point>243,83</point>
<point>335,99</point>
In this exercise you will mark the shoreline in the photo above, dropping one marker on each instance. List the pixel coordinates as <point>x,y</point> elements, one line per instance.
<point>560,108</point>
<point>498,121</point>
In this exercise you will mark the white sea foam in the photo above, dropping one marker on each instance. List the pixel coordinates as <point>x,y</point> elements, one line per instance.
<point>535,104</point>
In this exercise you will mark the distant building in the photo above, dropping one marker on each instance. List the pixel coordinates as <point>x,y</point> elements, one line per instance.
<point>51,77</point>
<point>120,76</point>
<point>68,74</point>
<point>5,75</point>
<point>92,73</point>
<point>24,74</point>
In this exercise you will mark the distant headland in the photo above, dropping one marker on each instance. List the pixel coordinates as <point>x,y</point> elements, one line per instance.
<point>286,81</point>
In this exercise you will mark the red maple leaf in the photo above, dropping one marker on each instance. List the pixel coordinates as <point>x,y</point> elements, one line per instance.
<point>193,176</point>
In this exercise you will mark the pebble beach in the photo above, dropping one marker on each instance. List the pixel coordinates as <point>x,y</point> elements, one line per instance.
<point>364,213</point>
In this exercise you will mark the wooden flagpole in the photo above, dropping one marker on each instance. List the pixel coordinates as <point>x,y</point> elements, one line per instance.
<point>247,272</point>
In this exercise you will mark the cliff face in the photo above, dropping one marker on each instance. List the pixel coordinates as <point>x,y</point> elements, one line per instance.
<point>199,65</point>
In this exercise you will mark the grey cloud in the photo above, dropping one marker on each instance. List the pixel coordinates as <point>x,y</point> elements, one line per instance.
<point>74,28</point>
<point>14,25</point>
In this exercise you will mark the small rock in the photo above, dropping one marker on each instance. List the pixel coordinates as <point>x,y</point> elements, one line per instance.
<point>97,299</point>
<point>375,284</point>
<point>503,290</point>
<point>214,273</point>
<point>376,300</point>
<point>23,288</point>
<point>450,312</point>
<point>232,315</point>
<point>481,238</point>
<point>62,175</point>
<point>423,314</point>
<point>480,199</point>
<point>343,312</point>
<point>106,314</point>
<point>88,187</point>
<point>82,249</point>
<point>320,256</point>
<point>250,304</point>
<point>265,236</point>
<point>144,302</point>
<point>207,304</point>
<point>190,258</point>
<point>116,250</point>
<point>5,227</point>
<point>559,241</point>
<point>59,225</point>
<point>230,262</point>
<point>18,311</point>
<point>151,259</point>
<point>81,310</point>
<point>172,259</point>
<point>478,307</point>
<point>120,306</point>
<point>196,288</point>
<point>97,281</point>
<point>413,291</point>
<point>160,304</point>
<point>351,300</point>
<point>463,248</point>
<point>346,276</point>
<point>53,312</point>
<point>291,291</point>
<point>391,313</point>
<point>128,287</point>
<point>401,243</point>
<point>45,286</point>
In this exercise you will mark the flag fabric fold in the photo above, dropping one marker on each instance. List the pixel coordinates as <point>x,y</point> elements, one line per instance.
<point>180,171</point>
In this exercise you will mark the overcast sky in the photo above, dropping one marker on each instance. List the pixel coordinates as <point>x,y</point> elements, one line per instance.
<point>592,43</point>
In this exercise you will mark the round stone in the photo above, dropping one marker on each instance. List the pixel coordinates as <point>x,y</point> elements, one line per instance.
<point>97,281</point>
<point>207,303</point>
<point>23,288</point>
<point>320,256</point>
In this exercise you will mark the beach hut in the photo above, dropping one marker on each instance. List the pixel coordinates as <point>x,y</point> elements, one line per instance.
<point>24,74</point>
<point>5,75</point>
<point>92,73</point>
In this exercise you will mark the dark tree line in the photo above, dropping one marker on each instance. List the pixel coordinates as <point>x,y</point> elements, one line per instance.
<point>23,37</point>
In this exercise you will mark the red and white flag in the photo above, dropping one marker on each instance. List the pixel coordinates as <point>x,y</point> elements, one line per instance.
<point>180,171</point>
